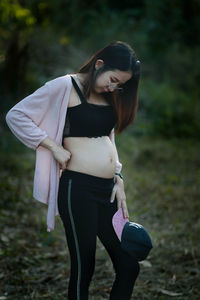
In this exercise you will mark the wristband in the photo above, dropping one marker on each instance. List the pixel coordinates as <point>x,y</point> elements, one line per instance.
<point>119,174</point>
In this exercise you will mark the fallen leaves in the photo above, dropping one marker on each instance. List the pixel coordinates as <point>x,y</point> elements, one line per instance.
<point>170,293</point>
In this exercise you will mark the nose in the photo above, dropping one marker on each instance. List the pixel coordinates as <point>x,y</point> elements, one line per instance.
<point>111,88</point>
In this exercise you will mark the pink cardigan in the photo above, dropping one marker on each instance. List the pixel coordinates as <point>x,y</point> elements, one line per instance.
<point>37,116</point>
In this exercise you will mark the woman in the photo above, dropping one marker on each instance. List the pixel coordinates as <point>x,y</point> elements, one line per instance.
<point>70,122</point>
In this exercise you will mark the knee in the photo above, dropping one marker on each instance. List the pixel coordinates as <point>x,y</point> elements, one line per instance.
<point>130,267</point>
<point>134,266</point>
<point>137,268</point>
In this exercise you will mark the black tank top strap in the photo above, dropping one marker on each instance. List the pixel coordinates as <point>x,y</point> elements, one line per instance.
<point>82,98</point>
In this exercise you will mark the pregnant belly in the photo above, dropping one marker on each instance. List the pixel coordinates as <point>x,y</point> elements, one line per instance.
<point>94,156</point>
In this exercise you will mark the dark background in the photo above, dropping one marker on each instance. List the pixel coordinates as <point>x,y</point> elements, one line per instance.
<point>41,40</point>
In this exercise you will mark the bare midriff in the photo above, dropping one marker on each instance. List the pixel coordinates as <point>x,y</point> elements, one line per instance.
<point>94,156</point>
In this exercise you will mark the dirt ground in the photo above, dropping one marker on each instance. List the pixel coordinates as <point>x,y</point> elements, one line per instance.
<point>162,187</point>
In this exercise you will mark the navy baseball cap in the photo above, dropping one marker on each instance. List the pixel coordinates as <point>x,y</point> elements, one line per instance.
<point>133,236</point>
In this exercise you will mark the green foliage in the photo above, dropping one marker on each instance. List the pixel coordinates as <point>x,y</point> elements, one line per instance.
<point>170,111</point>
<point>170,22</point>
<point>13,10</point>
<point>171,102</point>
<point>41,40</point>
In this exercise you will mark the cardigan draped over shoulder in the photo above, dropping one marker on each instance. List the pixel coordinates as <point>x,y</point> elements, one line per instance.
<point>37,116</point>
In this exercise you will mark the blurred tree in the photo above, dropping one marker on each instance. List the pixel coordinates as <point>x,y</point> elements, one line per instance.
<point>40,39</point>
<point>173,21</point>
<point>17,22</point>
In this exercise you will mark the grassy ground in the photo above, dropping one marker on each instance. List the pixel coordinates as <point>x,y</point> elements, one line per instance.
<point>162,187</point>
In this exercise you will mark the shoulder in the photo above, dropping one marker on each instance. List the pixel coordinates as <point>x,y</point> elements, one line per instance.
<point>61,82</point>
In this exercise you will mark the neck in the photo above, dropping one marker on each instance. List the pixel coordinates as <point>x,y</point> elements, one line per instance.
<point>81,77</point>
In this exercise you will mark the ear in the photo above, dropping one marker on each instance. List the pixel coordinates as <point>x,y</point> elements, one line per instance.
<point>99,63</point>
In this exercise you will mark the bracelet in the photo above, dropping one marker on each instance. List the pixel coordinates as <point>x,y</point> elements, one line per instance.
<point>119,174</point>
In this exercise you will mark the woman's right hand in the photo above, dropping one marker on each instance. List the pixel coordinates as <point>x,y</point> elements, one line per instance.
<point>59,153</point>
<point>62,156</point>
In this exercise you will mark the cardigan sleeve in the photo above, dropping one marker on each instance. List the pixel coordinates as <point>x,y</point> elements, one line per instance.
<point>25,117</point>
<point>112,138</point>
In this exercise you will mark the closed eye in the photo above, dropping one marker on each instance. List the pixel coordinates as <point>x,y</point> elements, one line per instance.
<point>114,80</point>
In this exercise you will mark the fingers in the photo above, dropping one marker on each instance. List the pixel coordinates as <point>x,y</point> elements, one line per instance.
<point>62,156</point>
<point>122,204</point>
<point>112,198</point>
<point>66,160</point>
<point>64,166</point>
<point>121,200</point>
<point>125,209</point>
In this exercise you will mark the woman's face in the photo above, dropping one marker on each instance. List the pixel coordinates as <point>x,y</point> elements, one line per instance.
<point>110,80</point>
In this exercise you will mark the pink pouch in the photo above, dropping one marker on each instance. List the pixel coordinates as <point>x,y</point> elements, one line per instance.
<point>118,222</point>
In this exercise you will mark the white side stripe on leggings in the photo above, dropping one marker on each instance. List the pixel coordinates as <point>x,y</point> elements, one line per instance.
<point>75,238</point>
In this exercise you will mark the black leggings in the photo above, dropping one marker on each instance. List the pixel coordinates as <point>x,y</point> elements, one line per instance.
<point>86,212</point>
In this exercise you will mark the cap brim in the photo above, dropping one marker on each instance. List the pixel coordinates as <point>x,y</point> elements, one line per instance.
<point>118,222</point>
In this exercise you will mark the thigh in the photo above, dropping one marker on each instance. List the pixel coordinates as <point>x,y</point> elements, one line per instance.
<point>106,231</point>
<point>79,217</point>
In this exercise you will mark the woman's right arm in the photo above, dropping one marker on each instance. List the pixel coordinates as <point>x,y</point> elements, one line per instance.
<point>23,127</point>
<point>31,119</point>
<point>59,153</point>
<point>25,117</point>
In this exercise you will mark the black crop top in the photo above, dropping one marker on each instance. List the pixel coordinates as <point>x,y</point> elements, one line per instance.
<point>88,119</point>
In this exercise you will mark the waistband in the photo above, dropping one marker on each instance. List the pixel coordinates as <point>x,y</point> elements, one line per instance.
<point>87,178</point>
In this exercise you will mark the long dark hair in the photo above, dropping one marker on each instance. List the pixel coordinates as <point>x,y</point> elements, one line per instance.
<point>116,56</point>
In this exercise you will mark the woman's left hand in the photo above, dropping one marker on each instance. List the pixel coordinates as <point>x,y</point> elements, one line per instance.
<point>118,192</point>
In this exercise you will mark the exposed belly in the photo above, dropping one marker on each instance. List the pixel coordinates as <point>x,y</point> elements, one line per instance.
<point>94,156</point>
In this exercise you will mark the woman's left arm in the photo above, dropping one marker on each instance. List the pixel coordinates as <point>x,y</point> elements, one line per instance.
<point>118,189</point>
